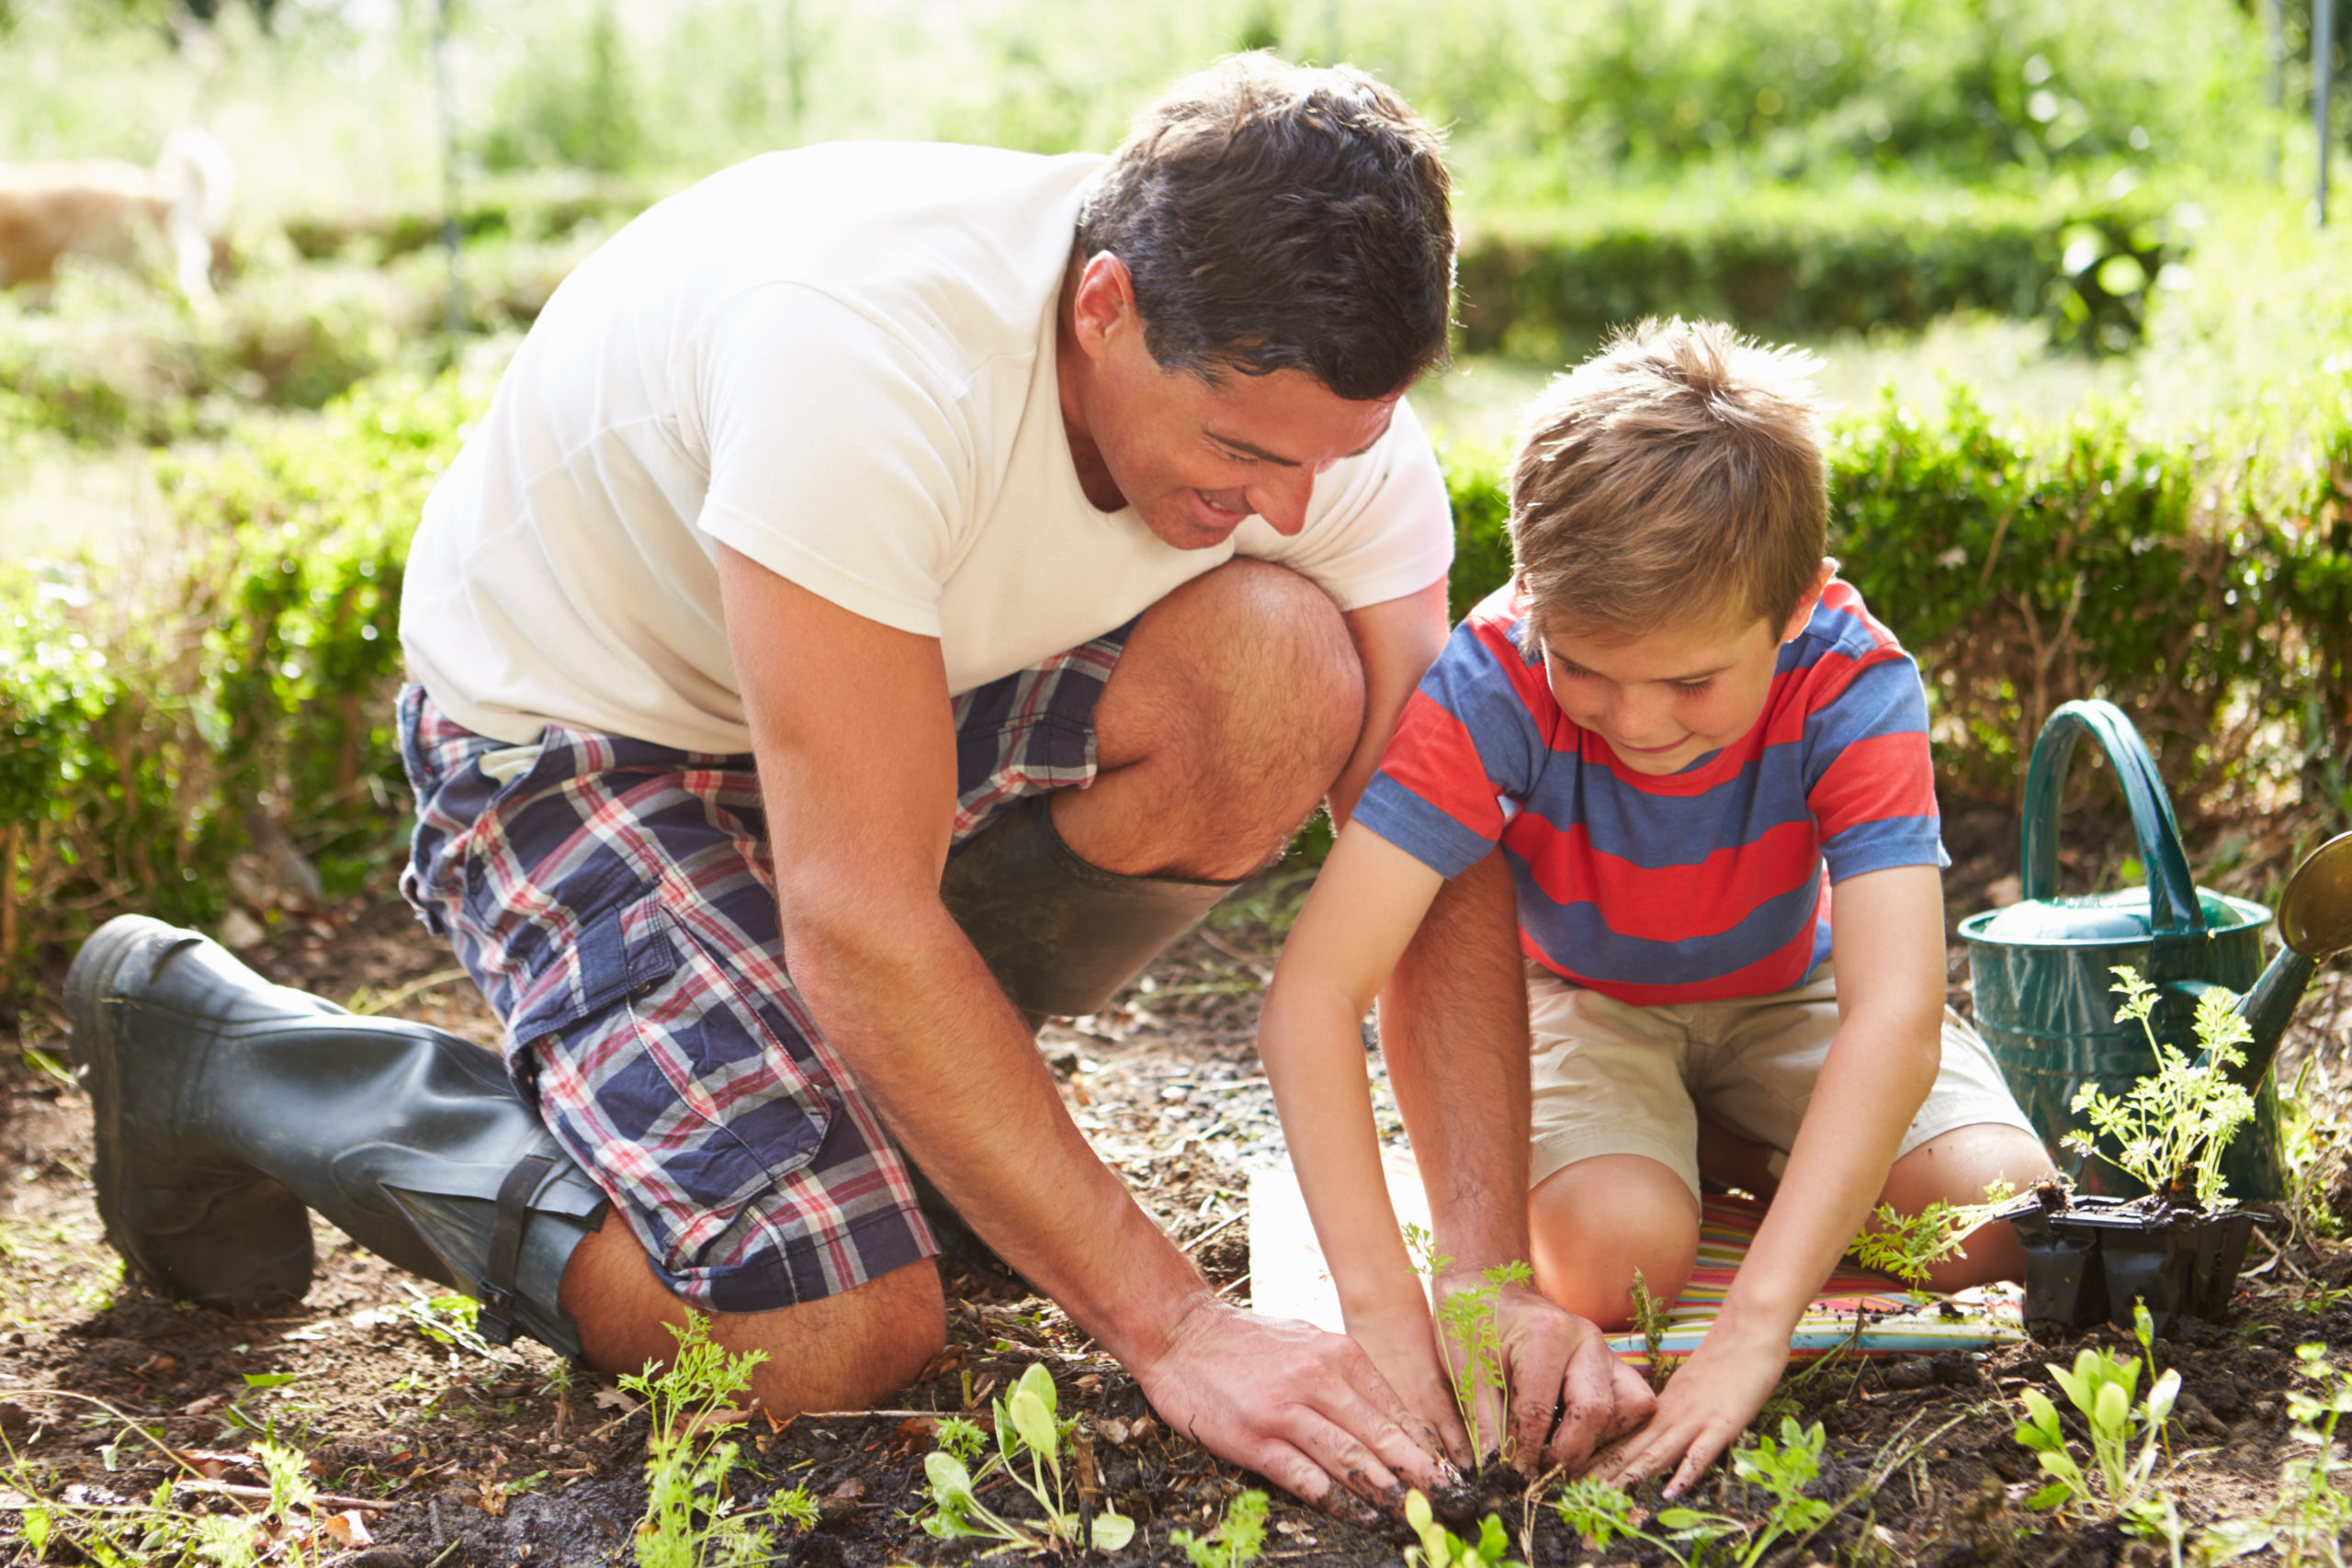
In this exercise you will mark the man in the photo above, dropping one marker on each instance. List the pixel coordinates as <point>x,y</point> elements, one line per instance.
<point>894,591</point>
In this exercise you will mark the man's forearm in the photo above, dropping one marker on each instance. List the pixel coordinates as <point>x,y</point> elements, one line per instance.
<point>1454,1031</point>
<point>929,1037</point>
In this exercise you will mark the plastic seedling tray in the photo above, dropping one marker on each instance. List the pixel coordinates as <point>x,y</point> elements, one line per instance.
<point>2089,1258</point>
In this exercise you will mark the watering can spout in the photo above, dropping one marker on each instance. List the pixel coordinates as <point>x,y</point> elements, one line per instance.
<point>2314,925</point>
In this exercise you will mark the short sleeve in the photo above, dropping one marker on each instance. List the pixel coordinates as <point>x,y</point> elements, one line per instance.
<point>838,458</point>
<point>1870,778</point>
<point>1466,745</point>
<point>1380,526</point>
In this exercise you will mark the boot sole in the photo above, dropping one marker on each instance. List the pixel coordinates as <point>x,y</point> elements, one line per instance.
<point>88,984</point>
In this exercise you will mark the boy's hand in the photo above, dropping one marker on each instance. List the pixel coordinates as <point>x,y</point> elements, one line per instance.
<point>1559,1366</point>
<point>1713,1398</point>
<point>1404,1346</point>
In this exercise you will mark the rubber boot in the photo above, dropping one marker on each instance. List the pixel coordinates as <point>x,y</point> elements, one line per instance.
<point>226,1106</point>
<point>1061,936</point>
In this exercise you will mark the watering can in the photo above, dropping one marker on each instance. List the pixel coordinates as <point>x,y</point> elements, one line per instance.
<point>2043,968</point>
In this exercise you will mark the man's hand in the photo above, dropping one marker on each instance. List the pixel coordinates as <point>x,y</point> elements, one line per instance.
<point>1558,1365</point>
<point>1305,1409</point>
<point>1713,1398</point>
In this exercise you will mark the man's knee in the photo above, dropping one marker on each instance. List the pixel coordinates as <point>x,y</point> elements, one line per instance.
<point>1248,672</point>
<point>838,1352</point>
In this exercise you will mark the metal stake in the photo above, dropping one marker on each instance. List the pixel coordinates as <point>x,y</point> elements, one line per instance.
<point>2323,63</point>
<point>453,309</point>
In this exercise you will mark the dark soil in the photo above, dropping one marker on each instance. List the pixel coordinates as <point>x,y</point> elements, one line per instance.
<point>467,1460</point>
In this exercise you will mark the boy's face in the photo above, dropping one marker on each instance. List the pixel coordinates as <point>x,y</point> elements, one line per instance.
<point>1667,698</point>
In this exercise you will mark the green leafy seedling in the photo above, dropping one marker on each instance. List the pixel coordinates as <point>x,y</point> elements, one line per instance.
<point>1025,1425</point>
<point>691,1520</point>
<point>2101,1386</point>
<point>2171,1128</point>
<point>1236,1540</point>
<point>1439,1547</point>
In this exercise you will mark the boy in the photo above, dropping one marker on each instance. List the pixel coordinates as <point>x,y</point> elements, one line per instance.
<point>1682,730</point>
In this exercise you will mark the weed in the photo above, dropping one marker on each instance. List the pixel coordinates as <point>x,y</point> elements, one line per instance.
<point>1024,1425</point>
<point>1440,1548</point>
<point>2172,1126</point>
<point>683,1402</point>
<point>1236,1542</point>
<point>2102,1387</point>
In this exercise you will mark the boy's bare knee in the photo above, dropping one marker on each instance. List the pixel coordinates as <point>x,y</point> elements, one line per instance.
<point>835,1353</point>
<point>1957,1167</point>
<point>1595,1224</point>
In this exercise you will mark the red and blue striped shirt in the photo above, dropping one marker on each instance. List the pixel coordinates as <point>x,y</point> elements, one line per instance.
<point>1699,885</point>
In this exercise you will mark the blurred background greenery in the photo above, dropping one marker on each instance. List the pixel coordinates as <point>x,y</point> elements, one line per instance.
<point>2057,255</point>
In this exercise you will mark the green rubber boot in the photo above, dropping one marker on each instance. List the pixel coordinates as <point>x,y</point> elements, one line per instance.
<point>226,1106</point>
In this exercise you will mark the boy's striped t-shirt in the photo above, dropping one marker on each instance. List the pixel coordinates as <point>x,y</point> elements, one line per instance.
<point>1706,884</point>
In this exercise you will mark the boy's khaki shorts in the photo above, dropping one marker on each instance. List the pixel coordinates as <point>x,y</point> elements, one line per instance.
<point>1612,1078</point>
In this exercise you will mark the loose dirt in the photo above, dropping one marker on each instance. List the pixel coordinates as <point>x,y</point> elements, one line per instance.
<point>457,1457</point>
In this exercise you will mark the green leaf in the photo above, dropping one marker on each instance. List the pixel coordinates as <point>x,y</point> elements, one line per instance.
<point>268,1379</point>
<point>2050,1496</point>
<point>1034,1421</point>
<point>1112,1531</point>
<point>948,1477</point>
<point>1038,1384</point>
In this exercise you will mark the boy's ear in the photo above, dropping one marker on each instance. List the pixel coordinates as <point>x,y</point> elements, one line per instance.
<point>1804,612</point>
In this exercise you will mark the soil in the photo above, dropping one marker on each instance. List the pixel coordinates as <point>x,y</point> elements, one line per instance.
<point>459,1457</point>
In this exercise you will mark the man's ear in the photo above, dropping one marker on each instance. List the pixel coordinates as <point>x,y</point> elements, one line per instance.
<point>1104,300</point>
<point>1805,606</point>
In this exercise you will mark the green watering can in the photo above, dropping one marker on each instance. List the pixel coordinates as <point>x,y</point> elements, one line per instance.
<point>2043,968</point>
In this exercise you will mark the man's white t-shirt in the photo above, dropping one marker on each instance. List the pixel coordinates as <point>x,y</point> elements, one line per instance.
<point>840,362</point>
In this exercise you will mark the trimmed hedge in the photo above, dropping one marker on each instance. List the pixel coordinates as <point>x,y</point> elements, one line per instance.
<point>1783,263</point>
<point>214,729</point>
<point>214,726</point>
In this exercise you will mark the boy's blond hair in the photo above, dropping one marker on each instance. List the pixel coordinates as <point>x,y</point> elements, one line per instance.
<point>1676,476</point>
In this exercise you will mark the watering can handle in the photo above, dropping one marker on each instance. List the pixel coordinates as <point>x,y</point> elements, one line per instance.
<point>2173,905</point>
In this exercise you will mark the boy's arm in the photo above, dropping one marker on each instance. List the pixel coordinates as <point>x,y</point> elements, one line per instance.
<point>1454,1031</point>
<point>1888,950</point>
<point>1366,903</point>
<point>1460,984</point>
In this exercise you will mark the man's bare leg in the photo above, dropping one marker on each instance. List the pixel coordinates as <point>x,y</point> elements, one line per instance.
<point>842,1352</point>
<point>1235,702</point>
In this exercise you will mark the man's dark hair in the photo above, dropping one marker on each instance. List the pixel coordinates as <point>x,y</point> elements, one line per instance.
<point>1275,217</point>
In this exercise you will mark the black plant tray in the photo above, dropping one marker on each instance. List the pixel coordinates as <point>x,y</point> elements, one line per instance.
<point>2089,1258</point>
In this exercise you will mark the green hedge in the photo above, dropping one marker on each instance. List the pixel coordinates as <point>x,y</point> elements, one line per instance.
<point>2207,593</point>
<point>212,726</point>
<point>1786,262</point>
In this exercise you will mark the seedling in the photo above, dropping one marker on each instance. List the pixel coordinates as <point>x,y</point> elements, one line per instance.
<point>2171,1128</point>
<point>1650,1317</point>
<point>1910,1248</point>
<point>1236,1542</point>
<point>691,1520</point>
<point>1471,1321</point>
<point>2102,1387</point>
<point>1025,1426</point>
<point>1440,1548</point>
<point>1600,1511</point>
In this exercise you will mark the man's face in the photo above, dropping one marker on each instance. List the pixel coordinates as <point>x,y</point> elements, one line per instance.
<point>1197,459</point>
<point>1665,699</point>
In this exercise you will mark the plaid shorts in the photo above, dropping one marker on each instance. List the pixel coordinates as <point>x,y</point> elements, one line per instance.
<point>615,902</point>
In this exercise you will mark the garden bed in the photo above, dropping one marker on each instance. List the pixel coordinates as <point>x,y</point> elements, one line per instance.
<point>467,1459</point>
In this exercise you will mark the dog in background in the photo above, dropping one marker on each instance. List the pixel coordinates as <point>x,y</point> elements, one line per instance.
<point>97,206</point>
